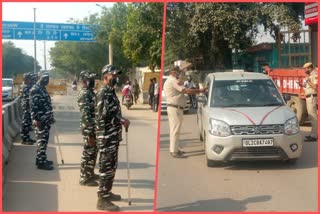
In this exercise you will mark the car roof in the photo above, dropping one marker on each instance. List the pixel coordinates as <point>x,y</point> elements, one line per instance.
<point>236,75</point>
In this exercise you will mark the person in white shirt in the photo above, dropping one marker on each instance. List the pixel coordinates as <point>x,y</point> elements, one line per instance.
<point>156,95</point>
<point>190,85</point>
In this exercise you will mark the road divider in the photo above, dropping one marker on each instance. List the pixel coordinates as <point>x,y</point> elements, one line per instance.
<point>11,120</point>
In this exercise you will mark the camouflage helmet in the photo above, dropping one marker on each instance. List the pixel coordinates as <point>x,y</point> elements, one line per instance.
<point>110,69</point>
<point>86,75</point>
<point>44,78</point>
<point>43,75</point>
<point>27,76</point>
<point>34,78</point>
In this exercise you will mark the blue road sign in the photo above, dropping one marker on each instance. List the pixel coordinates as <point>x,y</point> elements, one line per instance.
<point>48,31</point>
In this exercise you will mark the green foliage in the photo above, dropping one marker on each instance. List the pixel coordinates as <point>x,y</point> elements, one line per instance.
<point>14,61</point>
<point>112,27</point>
<point>142,39</point>
<point>134,30</point>
<point>73,57</point>
<point>211,30</point>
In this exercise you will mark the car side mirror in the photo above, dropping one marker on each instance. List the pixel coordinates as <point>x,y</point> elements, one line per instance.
<point>286,97</point>
<point>202,99</point>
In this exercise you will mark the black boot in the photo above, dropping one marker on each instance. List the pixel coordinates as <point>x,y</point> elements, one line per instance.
<point>28,141</point>
<point>96,176</point>
<point>107,205</point>
<point>31,140</point>
<point>115,197</point>
<point>47,162</point>
<point>89,182</point>
<point>45,166</point>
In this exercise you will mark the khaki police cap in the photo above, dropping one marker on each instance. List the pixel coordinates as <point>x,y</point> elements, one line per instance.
<point>307,65</point>
<point>175,69</point>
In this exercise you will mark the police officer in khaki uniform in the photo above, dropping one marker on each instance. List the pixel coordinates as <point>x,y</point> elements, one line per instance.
<point>310,86</point>
<point>174,91</point>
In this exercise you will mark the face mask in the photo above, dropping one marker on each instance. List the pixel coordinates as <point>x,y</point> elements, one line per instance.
<point>91,83</point>
<point>113,82</point>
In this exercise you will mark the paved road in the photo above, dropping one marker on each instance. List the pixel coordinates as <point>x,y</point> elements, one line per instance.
<point>29,189</point>
<point>188,185</point>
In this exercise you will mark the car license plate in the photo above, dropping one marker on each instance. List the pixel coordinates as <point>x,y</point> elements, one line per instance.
<point>257,142</point>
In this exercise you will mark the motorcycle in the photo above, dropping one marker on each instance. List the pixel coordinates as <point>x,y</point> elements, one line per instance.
<point>193,100</point>
<point>128,101</point>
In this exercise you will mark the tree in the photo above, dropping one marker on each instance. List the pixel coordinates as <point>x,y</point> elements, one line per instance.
<point>73,57</point>
<point>143,36</point>
<point>116,25</point>
<point>112,28</point>
<point>14,61</point>
<point>214,29</point>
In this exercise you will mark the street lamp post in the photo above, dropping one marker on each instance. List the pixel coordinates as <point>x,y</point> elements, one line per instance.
<point>35,43</point>
<point>110,45</point>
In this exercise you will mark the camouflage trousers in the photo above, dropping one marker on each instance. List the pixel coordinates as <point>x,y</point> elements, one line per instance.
<point>88,160</point>
<point>42,137</point>
<point>26,126</point>
<point>108,163</point>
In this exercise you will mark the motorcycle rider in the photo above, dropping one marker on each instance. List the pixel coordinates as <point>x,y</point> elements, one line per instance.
<point>127,91</point>
<point>189,84</point>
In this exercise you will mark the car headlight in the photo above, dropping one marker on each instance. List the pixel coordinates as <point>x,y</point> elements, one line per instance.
<point>291,126</point>
<point>219,128</point>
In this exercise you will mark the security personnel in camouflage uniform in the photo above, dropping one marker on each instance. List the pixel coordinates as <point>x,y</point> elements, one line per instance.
<point>310,86</point>
<point>25,104</point>
<point>86,102</point>
<point>109,123</point>
<point>42,119</point>
<point>34,78</point>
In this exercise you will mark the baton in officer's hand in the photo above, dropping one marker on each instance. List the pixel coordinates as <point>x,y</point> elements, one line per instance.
<point>58,142</point>
<point>128,166</point>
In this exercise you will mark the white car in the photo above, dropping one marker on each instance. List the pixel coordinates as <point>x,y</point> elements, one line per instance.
<point>244,117</point>
<point>7,89</point>
<point>164,100</point>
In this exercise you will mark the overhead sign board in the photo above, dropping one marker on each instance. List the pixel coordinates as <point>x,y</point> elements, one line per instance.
<point>48,31</point>
<point>311,13</point>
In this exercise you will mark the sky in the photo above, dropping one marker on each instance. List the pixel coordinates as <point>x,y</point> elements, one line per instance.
<point>46,12</point>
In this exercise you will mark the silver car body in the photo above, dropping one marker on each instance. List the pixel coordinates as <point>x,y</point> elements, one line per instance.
<point>7,89</point>
<point>164,100</point>
<point>256,133</point>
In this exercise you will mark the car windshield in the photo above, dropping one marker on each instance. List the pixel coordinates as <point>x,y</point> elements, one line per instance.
<point>245,93</point>
<point>6,83</point>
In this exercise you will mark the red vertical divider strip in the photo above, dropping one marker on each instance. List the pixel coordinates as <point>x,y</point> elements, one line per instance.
<point>318,120</point>
<point>160,100</point>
